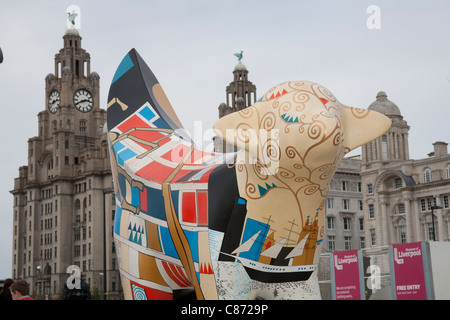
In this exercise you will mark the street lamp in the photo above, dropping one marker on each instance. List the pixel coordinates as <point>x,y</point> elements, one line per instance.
<point>105,191</point>
<point>432,219</point>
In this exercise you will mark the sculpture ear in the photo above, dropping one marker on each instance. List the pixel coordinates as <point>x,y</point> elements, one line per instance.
<point>362,126</point>
<point>241,128</point>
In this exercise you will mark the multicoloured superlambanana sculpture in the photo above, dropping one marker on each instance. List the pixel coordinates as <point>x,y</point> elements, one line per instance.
<point>242,225</point>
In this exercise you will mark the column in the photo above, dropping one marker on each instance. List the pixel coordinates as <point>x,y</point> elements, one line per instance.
<point>384,221</point>
<point>406,146</point>
<point>440,234</point>
<point>355,231</point>
<point>379,150</point>
<point>417,234</point>
<point>391,146</point>
<point>409,218</point>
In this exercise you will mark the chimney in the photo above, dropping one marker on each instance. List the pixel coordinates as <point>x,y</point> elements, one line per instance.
<point>440,148</point>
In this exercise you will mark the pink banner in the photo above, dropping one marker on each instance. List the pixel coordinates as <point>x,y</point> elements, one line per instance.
<point>409,273</point>
<point>346,275</point>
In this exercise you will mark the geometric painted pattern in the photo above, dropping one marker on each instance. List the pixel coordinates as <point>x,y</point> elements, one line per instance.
<point>138,292</point>
<point>148,151</point>
<point>135,234</point>
<point>136,231</point>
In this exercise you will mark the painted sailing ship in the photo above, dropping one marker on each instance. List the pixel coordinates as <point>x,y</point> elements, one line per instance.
<point>279,262</point>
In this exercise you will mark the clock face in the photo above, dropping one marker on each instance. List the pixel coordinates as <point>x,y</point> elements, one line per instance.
<point>83,100</point>
<point>53,101</point>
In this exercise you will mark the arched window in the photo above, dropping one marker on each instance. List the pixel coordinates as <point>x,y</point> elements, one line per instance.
<point>50,164</point>
<point>47,270</point>
<point>427,175</point>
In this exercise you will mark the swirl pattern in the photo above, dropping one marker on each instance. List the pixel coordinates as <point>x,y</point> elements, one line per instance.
<point>139,293</point>
<point>305,141</point>
<point>268,121</point>
<point>360,113</point>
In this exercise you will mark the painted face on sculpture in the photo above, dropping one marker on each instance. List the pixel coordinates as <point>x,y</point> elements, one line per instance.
<point>300,120</point>
<point>309,120</point>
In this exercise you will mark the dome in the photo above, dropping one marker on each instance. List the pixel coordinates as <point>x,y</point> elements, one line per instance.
<point>240,66</point>
<point>94,74</point>
<point>72,31</point>
<point>66,69</point>
<point>384,105</point>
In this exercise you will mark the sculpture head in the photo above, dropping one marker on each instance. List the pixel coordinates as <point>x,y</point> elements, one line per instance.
<point>300,123</point>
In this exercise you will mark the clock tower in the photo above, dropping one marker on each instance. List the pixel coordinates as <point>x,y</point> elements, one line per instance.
<point>72,117</point>
<point>63,206</point>
<point>72,92</point>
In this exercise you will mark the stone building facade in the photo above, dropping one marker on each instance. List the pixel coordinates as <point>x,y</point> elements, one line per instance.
<point>400,194</point>
<point>383,197</point>
<point>344,221</point>
<point>63,209</point>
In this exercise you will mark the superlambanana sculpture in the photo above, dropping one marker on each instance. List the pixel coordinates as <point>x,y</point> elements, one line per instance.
<point>226,226</point>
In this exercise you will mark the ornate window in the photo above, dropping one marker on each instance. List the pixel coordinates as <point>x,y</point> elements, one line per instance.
<point>47,270</point>
<point>427,175</point>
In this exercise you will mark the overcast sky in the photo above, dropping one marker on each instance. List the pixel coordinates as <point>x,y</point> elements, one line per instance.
<point>190,47</point>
